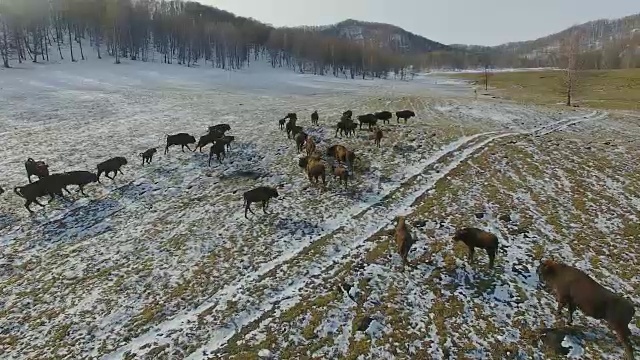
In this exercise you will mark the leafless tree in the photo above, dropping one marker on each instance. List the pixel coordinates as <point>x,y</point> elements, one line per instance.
<point>570,50</point>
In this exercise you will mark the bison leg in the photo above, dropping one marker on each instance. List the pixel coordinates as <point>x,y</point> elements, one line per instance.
<point>492,256</point>
<point>571,308</point>
<point>561,304</point>
<point>166,149</point>
<point>188,147</point>
<point>29,177</point>
<point>26,204</point>
<point>82,190</point>
<point>623,334</point>
<point>472,250</point>
<point>248,207</point>
<point>67,190</point>
<point>264,206</point>
<point>120,171</point>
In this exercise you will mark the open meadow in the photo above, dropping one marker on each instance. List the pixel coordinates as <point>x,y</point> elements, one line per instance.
<point>162,264</point>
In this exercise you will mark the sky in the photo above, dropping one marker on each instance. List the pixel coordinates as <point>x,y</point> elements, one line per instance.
<point>477,22</point>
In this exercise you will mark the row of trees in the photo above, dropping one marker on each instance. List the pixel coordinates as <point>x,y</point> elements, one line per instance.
<point>173,31</point>
<point>188,33</point>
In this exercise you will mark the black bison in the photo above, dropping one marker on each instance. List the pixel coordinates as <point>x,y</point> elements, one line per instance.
<point>574,289</point>
<point>281,123</point>
<point>227,140</point>
<point>368,119</point>
<point>147,155</point>
<point>46,186</point>
<point>38,168</point>
<point>220,128</point>
<point>346,127</point>
<point>182,139</point>
<point>476,238</point>
<point>295,130</point>
<point>385,116</point>
<point>289,127</point>
<point>205,140</point>
<point>260,194</point>
<point>404,114</point>
<point>218,150</point>
<point>347,114</point>
<point>314,118</point>
<point>1,190</point>
<point>112,165</point>
<point>404,240</point>
<point>79,178</point>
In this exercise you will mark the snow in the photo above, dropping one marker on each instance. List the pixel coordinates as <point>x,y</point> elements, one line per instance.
<point>162,259</point>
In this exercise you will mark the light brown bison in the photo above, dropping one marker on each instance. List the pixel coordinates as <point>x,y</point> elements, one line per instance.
<point>476,238</point>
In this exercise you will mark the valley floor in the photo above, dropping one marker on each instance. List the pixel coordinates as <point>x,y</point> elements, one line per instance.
<point>161,262</point>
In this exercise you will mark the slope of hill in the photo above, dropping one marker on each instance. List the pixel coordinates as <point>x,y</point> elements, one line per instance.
<point>387,36</point>
<point>607,43</point>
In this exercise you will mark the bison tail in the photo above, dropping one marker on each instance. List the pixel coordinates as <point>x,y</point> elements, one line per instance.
<point>18,191</point>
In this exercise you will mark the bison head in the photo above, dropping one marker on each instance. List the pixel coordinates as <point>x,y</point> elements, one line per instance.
<point>273,192</point>
<point>121,160</point>
<point>461,234</point>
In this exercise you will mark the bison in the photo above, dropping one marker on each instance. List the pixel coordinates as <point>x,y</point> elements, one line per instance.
<point>404,240</point>
<point>79,178</point>
<point>50,185</point>
<point>112,165</point>
<point>314,118</point>
<point>405,115</point>
<point>378,136</point>
<point>368,119</point>
<point>182,139</point>
<point>38,168</point>
<point>218,150</point>
<point>205,140</point>
<point>476,238</point>
<point>147,155</point>
<point>260,194</point>
<point>385,116</point>
<point>574,289</point>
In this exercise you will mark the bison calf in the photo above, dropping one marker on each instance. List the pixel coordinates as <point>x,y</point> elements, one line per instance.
<point>476,238</point>
<point>314,118</point>
<point>341,173</point>
<point>182,139</point>
<point>260,194</point>
<point>281,123</point>
<point>300,138</point>
<point>378,136</point>
<point>112,165</point>
<point>404,240</point>
<point>575,289</point>
<point>38,168</point>
<point>147,155</point>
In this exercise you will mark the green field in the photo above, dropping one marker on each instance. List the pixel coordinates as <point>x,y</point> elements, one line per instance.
<point>603,89</point>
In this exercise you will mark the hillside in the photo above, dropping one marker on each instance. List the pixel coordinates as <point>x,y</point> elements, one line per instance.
<point>387,36</point>
<point>606,43</point>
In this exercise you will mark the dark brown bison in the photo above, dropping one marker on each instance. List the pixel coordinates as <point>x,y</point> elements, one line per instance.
<point>147,155</point>
<point>314,118</point>
<point>385,116</point>
<point>260,194</point>
<point>182,139</point>
<point>404,240</point>
<point>405,115</point>
<point>368,119</point>
<point>112,165</point>
<point>574,289</point>
<point>476,238</point>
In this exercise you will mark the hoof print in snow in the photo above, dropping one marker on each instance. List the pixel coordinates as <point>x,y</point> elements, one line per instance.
<point>364,323</point>
<point>479,215</point>
<point>505,218</point>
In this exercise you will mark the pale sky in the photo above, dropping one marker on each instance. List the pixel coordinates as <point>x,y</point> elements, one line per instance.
<point>477,22</point>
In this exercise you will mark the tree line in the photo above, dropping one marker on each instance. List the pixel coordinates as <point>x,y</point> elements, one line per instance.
<point>175,31</point>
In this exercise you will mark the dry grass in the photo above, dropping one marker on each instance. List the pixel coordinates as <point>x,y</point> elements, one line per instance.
<point>601,89</point>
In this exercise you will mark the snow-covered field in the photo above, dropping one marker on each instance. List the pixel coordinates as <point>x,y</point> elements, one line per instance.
<point>162,263</point>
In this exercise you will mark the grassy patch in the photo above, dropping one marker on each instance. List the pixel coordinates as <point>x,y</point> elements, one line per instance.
<point>605,89</point>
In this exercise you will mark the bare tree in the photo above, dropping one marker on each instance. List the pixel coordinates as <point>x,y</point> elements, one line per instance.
<point>570,51</point>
